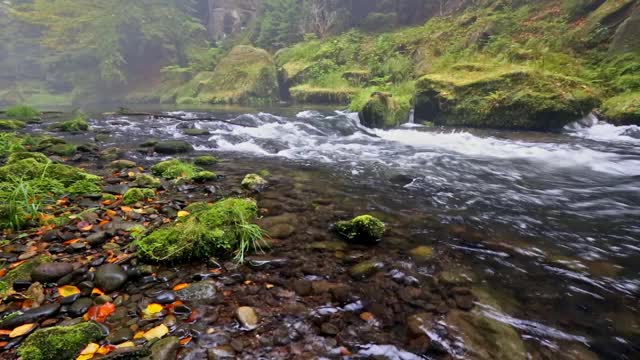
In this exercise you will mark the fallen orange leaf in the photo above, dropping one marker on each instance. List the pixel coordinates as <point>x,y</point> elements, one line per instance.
<point>68,290</point>
<point>185,341</point>
<point>216,271</point>
<point>21,330</point>
<point>103,223</point>
<point>16,264</point>
<point>180,286</point>
<point>366,316</point>
<point>100,313</point>
<point>86,228</point>
<point>5,332</point>
<point>107,202</point>
<point>111,213</point>
<point>3,344</point>
<point>269,286</point>
<point>2,272</point>
<point>139,335</point>
<point>105,349</point>
<point>126,209</point>
<point>97,292</point>
<point>183,213</point>
<point>72,241</point>
<point>157,332</point>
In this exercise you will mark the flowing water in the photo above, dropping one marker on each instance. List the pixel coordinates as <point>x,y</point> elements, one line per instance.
<point>546,225</point>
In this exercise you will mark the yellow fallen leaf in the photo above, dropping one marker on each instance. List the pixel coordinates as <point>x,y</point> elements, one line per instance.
<point>153,309</point>
<point>68,290</point>
<point>97,292</point>
<point>269,286</point>
<point>183,213</point>
<point>157,332</point>
<point>21,330</point>
<point>90,349</point>
<point>127,344</point>
<point>138,335</point>
<point>110,213</point>
<point>126,209</point>
<point>85,357</point>
<point>131,174</point>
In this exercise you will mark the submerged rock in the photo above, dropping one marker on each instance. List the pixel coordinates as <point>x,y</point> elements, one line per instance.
<point>247,317</point>
<point>122,164</point>
<point>205,160</point>
<point>199,292</point>
<point>166,348</point>
<point>254,182</point>
<point>365,269</point>
<point>60,342</point>
<point>171,147</point>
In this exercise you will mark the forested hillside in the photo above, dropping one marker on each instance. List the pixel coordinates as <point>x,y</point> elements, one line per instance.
<point>578,54</point>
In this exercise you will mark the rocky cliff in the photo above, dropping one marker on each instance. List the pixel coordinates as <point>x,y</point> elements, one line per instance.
<point>227,17</point>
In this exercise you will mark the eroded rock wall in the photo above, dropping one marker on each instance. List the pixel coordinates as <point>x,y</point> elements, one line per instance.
<point>227,17</point>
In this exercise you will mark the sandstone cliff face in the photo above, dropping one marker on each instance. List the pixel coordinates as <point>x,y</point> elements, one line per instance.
<point>227,17</point>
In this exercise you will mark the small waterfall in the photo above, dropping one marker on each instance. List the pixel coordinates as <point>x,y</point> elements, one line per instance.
<point>412,116</point>
<point>586,122</point>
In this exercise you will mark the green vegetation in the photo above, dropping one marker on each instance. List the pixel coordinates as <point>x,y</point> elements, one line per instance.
<point>364,229</point>
<point>221,229</point>
<point>22,112</point>
<point>60,342</point>
<point>22,272</point>
<point>253,182</point>
<point>9,125</point>
<point>77,124</point>
<point>135,195</point>
<point>623,109</point>
<point>203,176</point>
<point>62,149</point>
<point>205,160</point>
<point>147,181</point>
<point>175,169</point>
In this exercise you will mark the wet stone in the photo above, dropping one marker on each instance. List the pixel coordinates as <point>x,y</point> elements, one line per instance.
<point>302,287</point>
<point>166,348</point>
<point>329,329</point>
<point>199,292</point>
<point>115,189</point>
<point>30,316</point>
<point>96,238</point>
<point>119,336</point>
<point>51,272</point>
<point>247,317</point>
<point>80,306</point>
<point>110,277</point>
<point>164,297</point>
<point>221,352</point>
<point>365,269</point>
<point>418,324</point>
<point>464,302</point>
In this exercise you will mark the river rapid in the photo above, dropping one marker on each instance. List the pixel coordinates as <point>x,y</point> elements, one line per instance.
<point>543,227</point>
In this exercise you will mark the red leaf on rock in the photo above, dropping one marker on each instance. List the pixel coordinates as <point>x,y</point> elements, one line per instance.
<point>100,313</point>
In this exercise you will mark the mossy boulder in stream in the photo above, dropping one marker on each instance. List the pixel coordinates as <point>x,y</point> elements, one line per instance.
<point>62,149</point>
<point>135,195</point>
<point>9,125</point>
<point>205,160</point>
<point>246,75</point>
<point>623,109</point>
<point>60,342</point>
<point>21,155</point>
<point>220,229</point>
<point>175,169</point>
<point>254,182</point>
<point>23,112</point>
<point>383,111</point>
<point>505,97</point>
<point>147,181</point>
<point>171,147</point>
<point>362,229</point>
<point>77,124</point>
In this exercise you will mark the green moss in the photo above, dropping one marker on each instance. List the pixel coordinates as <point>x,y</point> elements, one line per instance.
<point>22,112</point>
<point>60,342</point>
<point>253,182</point>
<point>62,149</point>
<point>220,229</point>
<point>245,75</point>
<point>76,124</point>
<point>175,169</point>
<point>623,109</point>
<point>321,95</point>
<point>31,168</point>
<point>22,272</point>
<point>21,155</point>
<point>109,197</point>
<point>147,181</point>
<point>10,143</point>
<point>203,176</point>
<point>364,228</point>
<point>503,97</point>
<point>84,187</point>
<point>11,125</point>
<point>205,160</point>
<point>135,195</point>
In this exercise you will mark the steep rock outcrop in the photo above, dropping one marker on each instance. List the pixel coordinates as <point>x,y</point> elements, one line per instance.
<point>228,17</point>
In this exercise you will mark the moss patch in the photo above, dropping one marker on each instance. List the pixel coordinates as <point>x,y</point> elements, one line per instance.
<point>623,109</point>
<point>245,75</point>
<point>60,342</point>
<point>364,229</point>
<point>77,124</point>
<point>254,182</point>
<point>322,95</point>
<point>205,160</point>
<point>21,155</point>
<point>503,97</point>
<point>8,125</point>
<point>147,181</point>
<point>384,111</point>
<point>210,230</point>
<point>62,149</point>
<point>135,195</point>
<point>22,272</point>
<point>22,112</point>
<point>175,169</point>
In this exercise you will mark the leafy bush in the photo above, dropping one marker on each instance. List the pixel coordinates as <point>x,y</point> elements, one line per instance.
<point>221,229</point>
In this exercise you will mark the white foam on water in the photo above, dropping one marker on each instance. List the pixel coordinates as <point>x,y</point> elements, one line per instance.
<point>603,131</point>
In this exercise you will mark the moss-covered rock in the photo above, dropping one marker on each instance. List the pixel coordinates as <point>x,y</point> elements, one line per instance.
<point>623,109</point>
<point>22,272</point>
<point>31,168</point>
<point>121,164</point>
<point>23,112</point>
<point>76,124</point>
<point>62,149</point>
<point>175,169</point>
<point>84,187</point>
<point>245,75</point>
<point>319,95</point>
<point>171,147</point>
<point>60,342</point>
<point>135,195</point>
<point>21,155</point>
<point>147,181</point>
<point>383,111</point>
<point>210,230</point>
<point>363,229</point>
<point>503,97</point>
<point>627,36</point>
<point>10,125</point>
<point>111,154</point>
<point>254,182</point>
<point>202,176</point>
<point>205,160</point>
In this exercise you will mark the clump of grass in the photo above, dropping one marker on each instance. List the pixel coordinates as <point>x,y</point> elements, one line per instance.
<point>77,124</point>
<point>10,143</point>
<point>175,169</point>
<point>22,112</point>
<point>219,230</point>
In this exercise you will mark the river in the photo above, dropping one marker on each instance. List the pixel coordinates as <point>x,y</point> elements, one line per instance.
<point>545,226</point>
